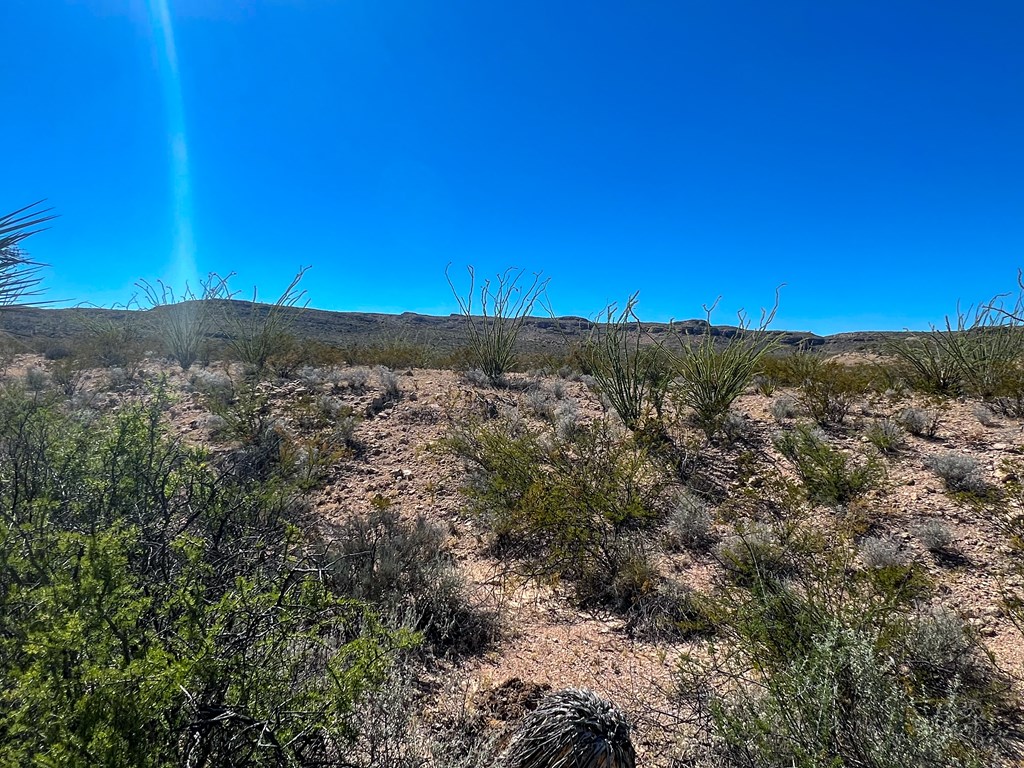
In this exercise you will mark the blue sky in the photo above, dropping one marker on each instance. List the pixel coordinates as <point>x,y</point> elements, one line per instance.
<point>868,154</point>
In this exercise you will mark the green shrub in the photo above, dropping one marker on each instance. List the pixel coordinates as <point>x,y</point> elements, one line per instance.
<point>1008,515</point>
<point>755,553</point>
<point>404,570</point>
<point>1007,396</point>
<point>561,507</point>
<point>891,572</point>
<point>68,376</point>
<point>828,474</point>
<point>393,353</point>
<point>789,369</point>
<point>670,611</point>
<point>113,340</point>
<point>830,391</point>
<point>156,611</point>
<point>822,672</point>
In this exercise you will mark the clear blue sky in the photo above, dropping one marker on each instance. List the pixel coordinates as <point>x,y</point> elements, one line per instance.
<point>868,154</point>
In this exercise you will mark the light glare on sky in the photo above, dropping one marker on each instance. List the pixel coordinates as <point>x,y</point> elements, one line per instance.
<point>866,153</point>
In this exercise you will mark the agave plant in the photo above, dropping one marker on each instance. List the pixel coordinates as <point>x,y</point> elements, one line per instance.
<point>573,728</point>
<point>19,274</point>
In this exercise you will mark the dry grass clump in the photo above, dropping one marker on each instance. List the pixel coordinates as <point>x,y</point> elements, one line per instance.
<point>690,522</point>
<point>919,422</point>
<point>886,435</point>
<point>960,473</point>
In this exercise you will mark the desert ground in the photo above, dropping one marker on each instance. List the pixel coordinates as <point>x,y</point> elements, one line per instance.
<point>396,451</point>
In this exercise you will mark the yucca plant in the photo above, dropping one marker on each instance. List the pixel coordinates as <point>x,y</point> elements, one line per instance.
<point>504,308</point>
<point>19,274</point>
<point>573,728</point>
<point>712,374</point>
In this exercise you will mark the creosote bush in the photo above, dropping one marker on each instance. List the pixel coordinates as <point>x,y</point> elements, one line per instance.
<point>113,340</point>
<point>1008,514</point>
<point>756,552</point>
<point>402,568</point>
<point>565,506</point>
<point>830,390</point>
<point>157,609</point>
<point>829,475</point>
<point>789,369</point>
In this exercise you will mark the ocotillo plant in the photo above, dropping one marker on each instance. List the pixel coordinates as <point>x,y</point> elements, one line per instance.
<point>504,308</point>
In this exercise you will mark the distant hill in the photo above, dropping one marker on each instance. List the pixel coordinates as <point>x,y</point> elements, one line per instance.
<point>39,328</point>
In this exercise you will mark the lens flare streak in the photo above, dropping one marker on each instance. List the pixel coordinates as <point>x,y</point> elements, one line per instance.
<point>184,265</point>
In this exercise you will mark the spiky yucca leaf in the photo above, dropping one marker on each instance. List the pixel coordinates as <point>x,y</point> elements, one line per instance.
<point>19,274</point>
